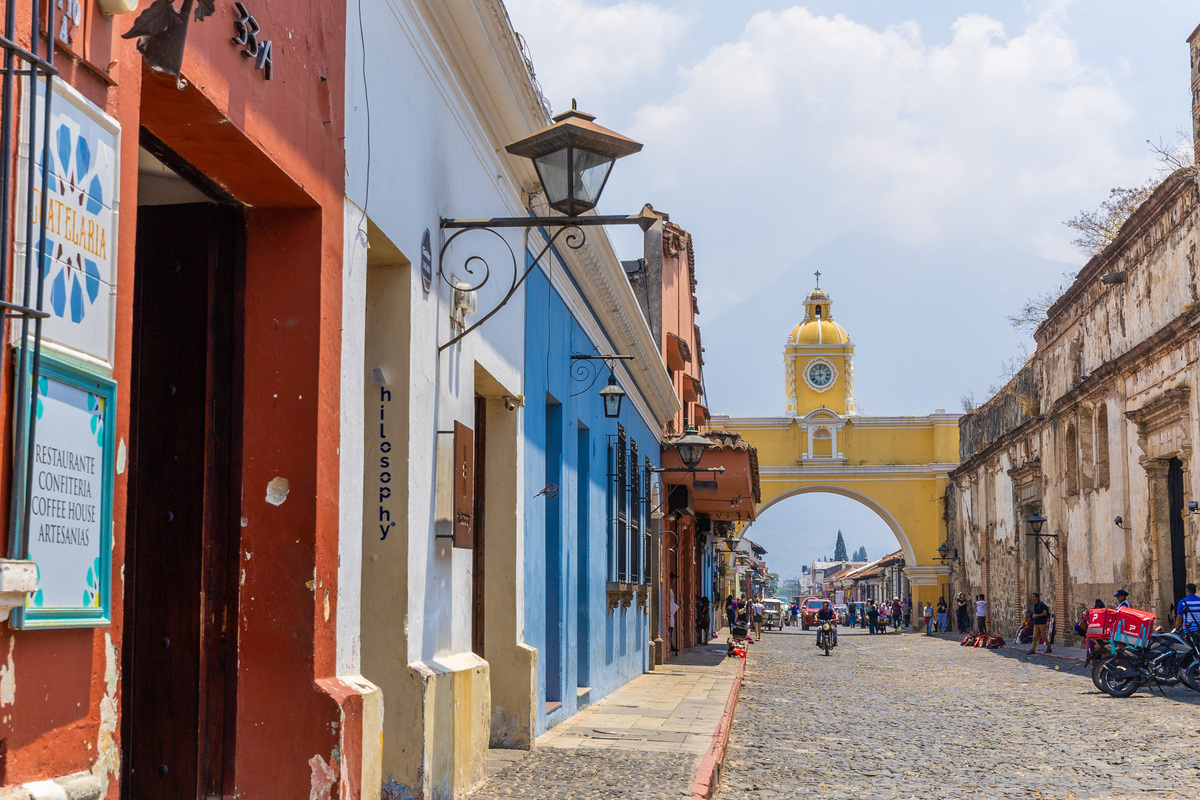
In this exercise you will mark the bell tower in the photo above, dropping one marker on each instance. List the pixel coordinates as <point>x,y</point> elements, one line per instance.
<point>818,360</point>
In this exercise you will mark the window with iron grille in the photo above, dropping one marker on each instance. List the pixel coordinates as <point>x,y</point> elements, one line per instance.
<point>635,514</point>
<point>622,490</point>
<point>647,512</point>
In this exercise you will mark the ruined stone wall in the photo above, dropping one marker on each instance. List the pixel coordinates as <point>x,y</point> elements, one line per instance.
<point>1084,432</point>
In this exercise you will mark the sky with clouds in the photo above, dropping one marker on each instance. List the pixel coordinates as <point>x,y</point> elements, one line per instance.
<point>923,156</point>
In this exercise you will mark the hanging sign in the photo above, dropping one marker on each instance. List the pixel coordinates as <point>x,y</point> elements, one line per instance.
<point>79,266</point>
<point>70,485</point>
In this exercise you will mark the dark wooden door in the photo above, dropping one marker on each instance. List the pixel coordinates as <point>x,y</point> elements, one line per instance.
<point>182,533</point>
<point>478,604</point>
<point>1175,507</point>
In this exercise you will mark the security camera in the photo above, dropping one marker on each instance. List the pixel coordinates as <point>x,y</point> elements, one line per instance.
<point>513,403</point>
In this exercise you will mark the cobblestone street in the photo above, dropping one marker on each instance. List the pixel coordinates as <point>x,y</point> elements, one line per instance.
<point>906,716</point>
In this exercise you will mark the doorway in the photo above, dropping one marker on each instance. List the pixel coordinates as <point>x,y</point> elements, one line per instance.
<point>182,537</point>
<point>478,575</point>
<point>1175,515</point>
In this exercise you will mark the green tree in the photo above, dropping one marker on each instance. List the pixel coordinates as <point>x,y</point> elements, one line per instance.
<point>860,554</point>
<point>839,549</point>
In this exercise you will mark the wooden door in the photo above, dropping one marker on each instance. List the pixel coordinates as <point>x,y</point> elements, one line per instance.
<point>478,575</point>
<point>182,535</point>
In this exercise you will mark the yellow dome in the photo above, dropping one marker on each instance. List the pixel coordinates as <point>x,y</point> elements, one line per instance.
<point>818,326</point>
<point>818,331</point>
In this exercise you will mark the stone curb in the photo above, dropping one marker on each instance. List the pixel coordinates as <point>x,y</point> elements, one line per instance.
<point>708,774</point>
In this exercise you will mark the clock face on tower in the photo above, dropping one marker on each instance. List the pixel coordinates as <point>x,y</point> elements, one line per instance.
<point>820,374</point>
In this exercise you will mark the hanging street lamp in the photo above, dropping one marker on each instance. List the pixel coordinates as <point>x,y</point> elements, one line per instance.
<point>691,447</point>
<point>573,158</point>
<point>612,395</point>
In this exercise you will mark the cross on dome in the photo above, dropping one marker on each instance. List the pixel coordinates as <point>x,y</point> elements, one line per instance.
<point>818,274</point>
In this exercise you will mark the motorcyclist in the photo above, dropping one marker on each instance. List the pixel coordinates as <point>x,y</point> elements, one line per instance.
<point>826,615</point>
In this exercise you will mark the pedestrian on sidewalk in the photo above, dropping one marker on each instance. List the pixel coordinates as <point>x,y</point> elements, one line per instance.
<point>730,610</point>
<point>1039,615</point>
<point>941,615</point>
<point>981,613</point>
<point>873,617</point>
<point>897,612</point>
<point>928,615</point>
<point>703,621</point>
<point>962,612</point>
<point>908,607</point>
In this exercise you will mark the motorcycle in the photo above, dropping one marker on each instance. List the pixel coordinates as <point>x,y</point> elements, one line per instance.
<point>826,637</point>
<point>1169,657</point>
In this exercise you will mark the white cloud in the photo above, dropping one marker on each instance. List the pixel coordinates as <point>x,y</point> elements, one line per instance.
<point>589,52</point>
<point>837,124</point>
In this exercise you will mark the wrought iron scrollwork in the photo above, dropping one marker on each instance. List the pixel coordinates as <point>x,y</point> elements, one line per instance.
<point>573,236</point>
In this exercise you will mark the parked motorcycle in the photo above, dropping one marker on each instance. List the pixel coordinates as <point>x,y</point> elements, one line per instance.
<point>1165,662</point>
<point>826,637</point>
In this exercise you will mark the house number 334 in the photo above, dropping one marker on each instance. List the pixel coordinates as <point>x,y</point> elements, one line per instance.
<point>252,44</point>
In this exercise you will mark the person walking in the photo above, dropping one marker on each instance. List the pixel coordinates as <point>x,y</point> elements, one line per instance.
<point>941,615</point>
<point>928,615</point>
<point>703,621</point>
<point>730,610</point>
<point>908,607</point>
<point>1039,615</point>
<point>897,614</point>
<point>981,613</point>
<point>873,617</point>
<point>758,618</point>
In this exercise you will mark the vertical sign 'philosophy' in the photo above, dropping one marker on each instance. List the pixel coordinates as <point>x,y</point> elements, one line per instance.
<point>70,516</point>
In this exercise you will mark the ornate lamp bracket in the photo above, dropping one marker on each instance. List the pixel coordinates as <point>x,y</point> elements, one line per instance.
<point>569,229</point>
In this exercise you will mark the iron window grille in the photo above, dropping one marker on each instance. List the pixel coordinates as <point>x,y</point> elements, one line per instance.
<point>647,512</point>
<point>19,97</point>
<point>622,488</point>
<point>635,515</point>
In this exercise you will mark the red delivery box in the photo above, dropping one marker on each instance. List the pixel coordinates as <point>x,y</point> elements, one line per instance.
<point>1101,622</point>
<point>1133,627</point>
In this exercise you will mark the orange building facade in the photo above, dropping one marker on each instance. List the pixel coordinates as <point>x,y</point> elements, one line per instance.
<point>192,305</point>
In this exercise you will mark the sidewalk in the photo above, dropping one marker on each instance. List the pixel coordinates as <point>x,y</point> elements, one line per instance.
<point>682,709</point>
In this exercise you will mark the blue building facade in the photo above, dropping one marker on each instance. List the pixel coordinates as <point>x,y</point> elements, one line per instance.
<point>587,541</point>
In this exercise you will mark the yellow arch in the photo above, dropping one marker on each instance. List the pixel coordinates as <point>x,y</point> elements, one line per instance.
<point>896,466</point>
<point>910,556</point>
